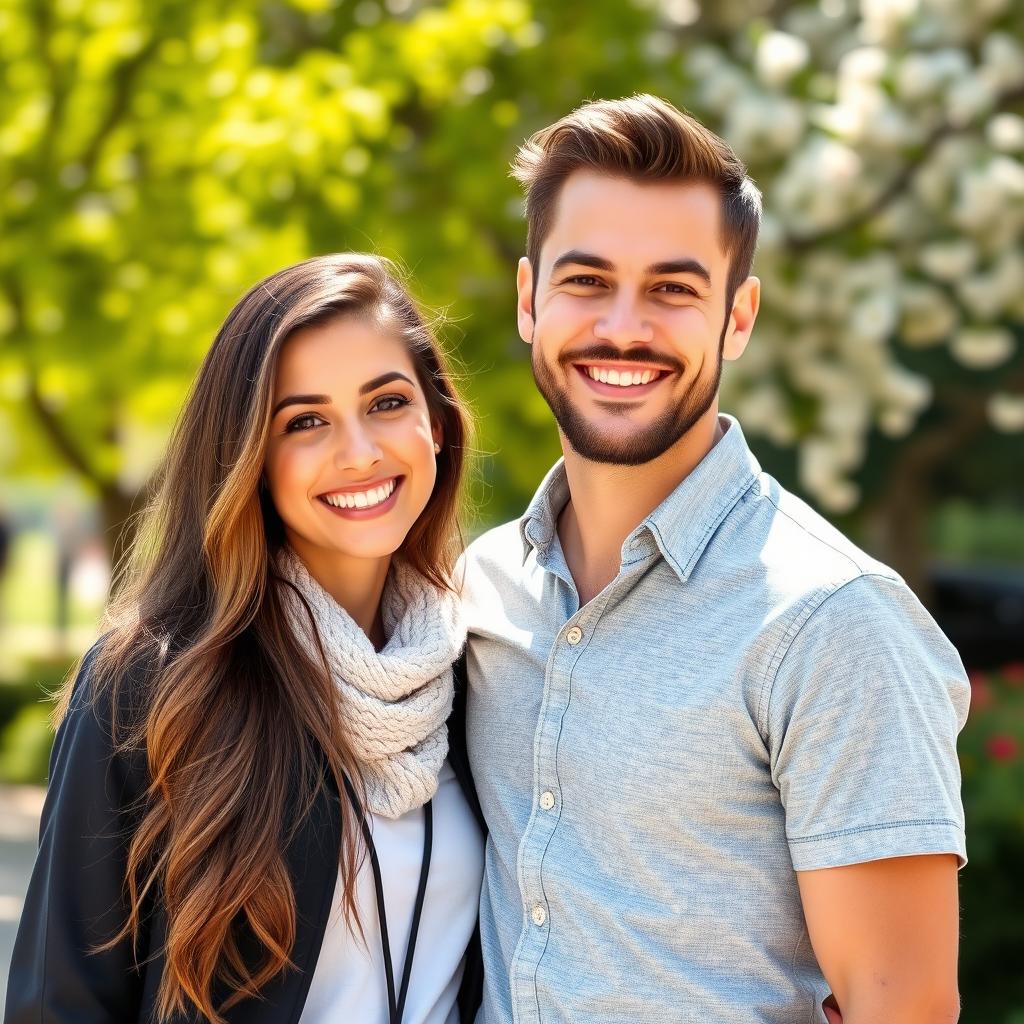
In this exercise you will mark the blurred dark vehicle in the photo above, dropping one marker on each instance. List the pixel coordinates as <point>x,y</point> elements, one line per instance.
<point>981,610</point>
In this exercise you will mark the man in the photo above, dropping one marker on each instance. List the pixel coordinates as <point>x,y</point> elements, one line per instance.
<point>714,741</point>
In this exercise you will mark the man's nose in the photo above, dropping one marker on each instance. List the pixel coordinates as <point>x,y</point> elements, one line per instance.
<point>623,323</point>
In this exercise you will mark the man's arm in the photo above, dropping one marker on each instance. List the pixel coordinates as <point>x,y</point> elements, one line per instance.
<point>885,934</point>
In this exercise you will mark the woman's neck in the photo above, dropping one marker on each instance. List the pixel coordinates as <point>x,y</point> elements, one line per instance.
<point>357,584</point>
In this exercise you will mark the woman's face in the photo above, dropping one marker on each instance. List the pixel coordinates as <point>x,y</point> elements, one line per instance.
<point>350,463</point>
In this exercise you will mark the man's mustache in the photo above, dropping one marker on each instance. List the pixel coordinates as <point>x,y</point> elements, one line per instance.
<point>609,353</point>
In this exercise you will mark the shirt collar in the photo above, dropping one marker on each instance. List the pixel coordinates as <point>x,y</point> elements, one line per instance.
<point>540,520</point>
<point>682,525</point>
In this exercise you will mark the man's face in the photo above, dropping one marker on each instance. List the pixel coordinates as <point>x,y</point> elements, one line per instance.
<point>630,325</point>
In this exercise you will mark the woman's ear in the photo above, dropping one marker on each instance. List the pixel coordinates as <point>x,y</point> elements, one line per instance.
<point>437,433</point>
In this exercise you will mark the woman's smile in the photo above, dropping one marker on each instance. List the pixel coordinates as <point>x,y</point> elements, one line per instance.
<point>366,502</point>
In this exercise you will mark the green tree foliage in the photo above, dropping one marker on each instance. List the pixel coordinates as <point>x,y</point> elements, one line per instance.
<point>157,158</point>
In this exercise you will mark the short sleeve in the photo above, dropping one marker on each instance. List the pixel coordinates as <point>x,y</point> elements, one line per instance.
<point>862,720</point>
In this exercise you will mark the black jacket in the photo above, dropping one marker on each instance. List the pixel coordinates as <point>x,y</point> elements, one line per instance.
<point>75,898</point>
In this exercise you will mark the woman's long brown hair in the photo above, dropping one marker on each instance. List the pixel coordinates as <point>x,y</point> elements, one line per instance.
<point>236,717</point>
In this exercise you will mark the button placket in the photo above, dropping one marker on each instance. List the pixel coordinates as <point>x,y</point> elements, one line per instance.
<point>533,940</point>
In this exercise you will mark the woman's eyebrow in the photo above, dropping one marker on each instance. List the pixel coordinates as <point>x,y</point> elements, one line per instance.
<point>384,378</point>
<point>301,400</point>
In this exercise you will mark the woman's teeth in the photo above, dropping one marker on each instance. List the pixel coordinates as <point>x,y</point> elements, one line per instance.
<point>362,499</point>
<point>624,378</point>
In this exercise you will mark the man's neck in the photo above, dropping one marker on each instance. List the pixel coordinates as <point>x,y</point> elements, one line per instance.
<point>607,502</point>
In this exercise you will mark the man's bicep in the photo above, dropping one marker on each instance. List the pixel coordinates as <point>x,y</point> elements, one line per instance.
<point>885,932</point>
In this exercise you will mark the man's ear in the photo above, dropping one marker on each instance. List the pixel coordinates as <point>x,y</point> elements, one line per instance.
<point>745,304</point>
<point>524,301</point>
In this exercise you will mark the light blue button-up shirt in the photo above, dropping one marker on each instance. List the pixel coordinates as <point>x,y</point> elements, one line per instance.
<point>751,696</point>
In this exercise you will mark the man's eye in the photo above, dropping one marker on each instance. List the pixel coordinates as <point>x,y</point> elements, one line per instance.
<point>586,280</point>
<point>304,422</point>
<point>389,403</point>
<point>672,288</point>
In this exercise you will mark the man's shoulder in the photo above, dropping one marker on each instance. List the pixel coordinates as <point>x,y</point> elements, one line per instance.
<point>500,547</point>
<point>793,538</point>
<point>491,568</point>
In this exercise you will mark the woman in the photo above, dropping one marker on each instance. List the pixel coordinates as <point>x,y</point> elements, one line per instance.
<point>253,814</point>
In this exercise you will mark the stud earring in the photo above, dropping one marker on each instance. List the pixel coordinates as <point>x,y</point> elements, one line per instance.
<point>437,448</point>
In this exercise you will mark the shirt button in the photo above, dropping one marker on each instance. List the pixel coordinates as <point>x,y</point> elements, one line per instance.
<point>547,801</point>
<point>539,915</point>
<point>574,635</point>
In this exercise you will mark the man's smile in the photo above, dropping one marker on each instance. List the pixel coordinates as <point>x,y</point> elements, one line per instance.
<point>621,380</point>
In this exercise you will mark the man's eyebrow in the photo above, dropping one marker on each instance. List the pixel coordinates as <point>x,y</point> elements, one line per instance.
<point>685,265</point>
<point>301,400</point>
<point>582,259</point>
<point>681,266</point>
<point>384,378</point>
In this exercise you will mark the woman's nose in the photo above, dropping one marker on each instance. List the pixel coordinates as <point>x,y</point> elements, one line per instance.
<point>357,449</point>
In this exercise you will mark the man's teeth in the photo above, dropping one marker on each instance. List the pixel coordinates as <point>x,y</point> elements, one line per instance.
<point>362,499</point>
<point>624,378</point>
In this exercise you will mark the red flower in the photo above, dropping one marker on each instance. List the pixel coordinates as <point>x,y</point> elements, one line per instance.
<point>1014,673</point>
<point>1002,747</point>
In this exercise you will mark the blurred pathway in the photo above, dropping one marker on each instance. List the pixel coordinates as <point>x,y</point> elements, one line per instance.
<point>19,825</point>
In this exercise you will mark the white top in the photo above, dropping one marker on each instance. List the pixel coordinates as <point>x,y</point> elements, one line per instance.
<point>349,982</point>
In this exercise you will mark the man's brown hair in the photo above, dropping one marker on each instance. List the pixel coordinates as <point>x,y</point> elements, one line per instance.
<point>642,138</point>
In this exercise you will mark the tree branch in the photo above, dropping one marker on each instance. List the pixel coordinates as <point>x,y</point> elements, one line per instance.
<point>800,243</point>
<point>48,420</point>
<point>124,77</point>
<point>59,437</point>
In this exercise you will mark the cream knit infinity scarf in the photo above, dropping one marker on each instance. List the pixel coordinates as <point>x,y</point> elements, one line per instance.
<point>395,702</point>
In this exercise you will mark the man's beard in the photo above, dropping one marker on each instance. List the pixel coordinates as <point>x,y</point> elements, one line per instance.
<point>643,444</point>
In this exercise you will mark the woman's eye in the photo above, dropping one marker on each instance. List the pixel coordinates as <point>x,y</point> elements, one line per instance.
<point>304,422</point>
<point>389,403</point>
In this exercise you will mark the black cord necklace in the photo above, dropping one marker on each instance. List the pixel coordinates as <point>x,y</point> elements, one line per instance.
<point>396,1007</point>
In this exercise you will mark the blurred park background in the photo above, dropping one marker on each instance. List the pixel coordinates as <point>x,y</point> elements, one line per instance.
<point>157,157</point>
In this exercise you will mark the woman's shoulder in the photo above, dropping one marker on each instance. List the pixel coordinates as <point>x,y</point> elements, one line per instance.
<point>104,715</point>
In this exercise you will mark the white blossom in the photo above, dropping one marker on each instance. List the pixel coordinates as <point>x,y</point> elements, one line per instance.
<point>1006,132</point>
<point>978,205</point>
<point>982,348</point>
<point>917,78</point>
<point>1006,412</point>
<point>928,315</point>
<point>839,496</point>
<point>982,294</point>
<point>1007,175</point>
<point>847,415</point>
<point>1003,55</point>
<point>762,407</point>
<point>873,319</point>
<point>948,261</point>
<point>864,64</point>
<point>896,422</point>
<point>882,19</point>
<point>969,98</point>
<point>721,87</point>
<point>779,57</point>
<point>764,125</point>
<point>906,390</point>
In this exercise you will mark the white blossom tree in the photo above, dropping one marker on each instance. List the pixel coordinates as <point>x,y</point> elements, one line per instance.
<point>887,138</point>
